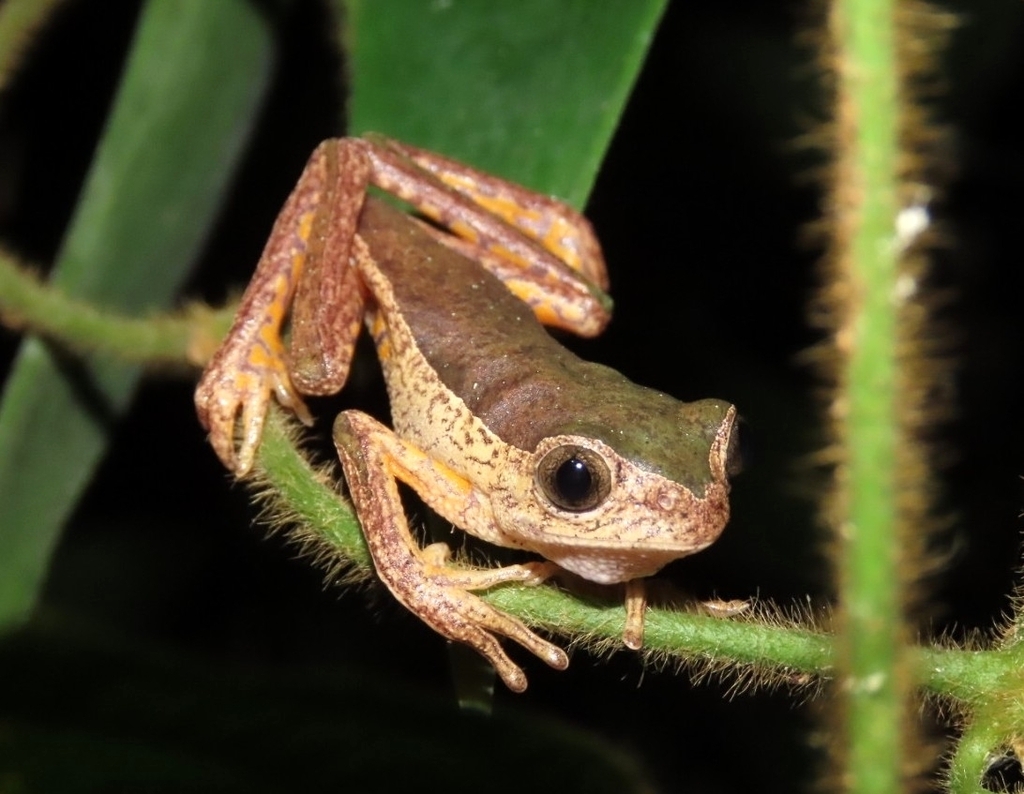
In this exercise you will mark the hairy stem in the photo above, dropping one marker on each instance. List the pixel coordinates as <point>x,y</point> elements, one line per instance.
<point>873,683</point>
<point>188,338</point>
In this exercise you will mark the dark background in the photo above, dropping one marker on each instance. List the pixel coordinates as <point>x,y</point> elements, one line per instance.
<point>702,206</point>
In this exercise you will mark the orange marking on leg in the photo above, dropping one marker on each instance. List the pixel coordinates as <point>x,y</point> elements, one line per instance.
<point>527,291</point>
<point>554,240</point>
<point>280,299</point>
<point>305,228</point>
<point>556,234</point>
<point>509,210</point>
<point>463,184</point>
<point>456,481</point>
<point>567,314</point>
<point>510,256</point>
<point>260,357</point>
<point>381,338</point>
<point>465,231</point>
<point>411,461</point>
<point>547,315</point>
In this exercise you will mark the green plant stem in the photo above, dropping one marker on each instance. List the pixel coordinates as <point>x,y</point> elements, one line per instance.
<point>298,495</point>
<point>970,677</point>
<point>27,303</point>
<point>972,757</point>
<point>871,590</point>
<point>676,635</point>
<point>188,99</point>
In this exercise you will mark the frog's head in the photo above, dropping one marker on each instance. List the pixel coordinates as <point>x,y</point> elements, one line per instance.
<point>617,492</point>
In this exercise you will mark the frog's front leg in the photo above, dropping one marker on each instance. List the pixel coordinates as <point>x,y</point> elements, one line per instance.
<point>374,459</point>
<point>304,270</point>
<point>543,251</point>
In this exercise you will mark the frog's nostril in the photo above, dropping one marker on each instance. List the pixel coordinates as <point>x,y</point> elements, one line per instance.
<point>666,500</point>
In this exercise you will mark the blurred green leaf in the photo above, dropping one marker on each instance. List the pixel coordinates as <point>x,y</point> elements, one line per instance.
<point>185,109</point>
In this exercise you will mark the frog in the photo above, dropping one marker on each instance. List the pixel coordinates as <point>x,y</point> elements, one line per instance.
<point>496,426</point>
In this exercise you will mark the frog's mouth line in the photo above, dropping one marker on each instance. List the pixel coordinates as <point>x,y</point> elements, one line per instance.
<point>611,561</point>
<point>640,546</point>
<point>618,565</point>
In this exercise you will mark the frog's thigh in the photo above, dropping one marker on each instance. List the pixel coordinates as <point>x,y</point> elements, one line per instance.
<point>564,294</point>
<point>374,459</point>
<point>555,225</point>
<point>558,297</point>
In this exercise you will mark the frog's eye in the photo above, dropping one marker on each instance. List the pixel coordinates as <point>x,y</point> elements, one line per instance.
<point>574,478</point>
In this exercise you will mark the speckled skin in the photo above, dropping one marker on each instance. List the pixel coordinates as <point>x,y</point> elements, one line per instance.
<point>479,391</point>
<point>483,387</point>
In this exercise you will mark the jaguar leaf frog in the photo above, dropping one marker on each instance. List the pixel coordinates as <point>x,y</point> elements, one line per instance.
<point>496,426</point>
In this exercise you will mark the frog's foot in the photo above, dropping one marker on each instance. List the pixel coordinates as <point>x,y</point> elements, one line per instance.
<point>718,608</point>
<point>235,390</point>
<point>636,607</point>
<point>442,600</point>
<point>374,459</point>
<point>438,556</point>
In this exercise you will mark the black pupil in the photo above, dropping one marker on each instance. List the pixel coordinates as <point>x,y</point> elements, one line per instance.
<point>574,481</point>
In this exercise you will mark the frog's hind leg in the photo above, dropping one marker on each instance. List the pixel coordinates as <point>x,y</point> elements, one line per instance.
<point>543,251</point>
<point>374,460</point>
<point>554,224</point>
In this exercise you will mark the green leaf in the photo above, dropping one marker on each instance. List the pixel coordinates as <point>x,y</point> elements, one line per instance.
<point>531,90</point>
<point>184,111</point>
